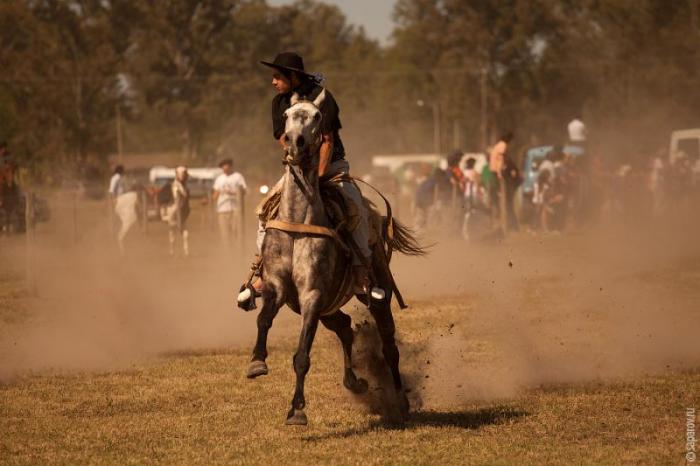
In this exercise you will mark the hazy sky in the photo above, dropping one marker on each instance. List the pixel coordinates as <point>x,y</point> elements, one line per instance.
<point>374,15</point>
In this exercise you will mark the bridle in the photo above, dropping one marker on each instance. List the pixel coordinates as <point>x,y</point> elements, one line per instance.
<point>301,181</point>
<point>295,165</point>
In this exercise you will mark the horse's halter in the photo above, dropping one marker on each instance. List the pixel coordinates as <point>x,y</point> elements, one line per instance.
<point>291,154</point>
<point>293,160</point>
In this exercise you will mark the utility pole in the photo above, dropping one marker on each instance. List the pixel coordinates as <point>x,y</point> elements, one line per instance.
<point>436,128</point>
<point>436,123</point>
<point>120,142</point>
<point>483,128</point>
<point>456,136</point>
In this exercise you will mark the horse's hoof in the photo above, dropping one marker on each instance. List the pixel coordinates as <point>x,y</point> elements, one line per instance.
<point>357,386</point>
<point>296,417</point>
<point>256,369</point>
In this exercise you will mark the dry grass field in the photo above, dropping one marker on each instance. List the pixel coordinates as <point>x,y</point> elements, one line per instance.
<point>578,349</point>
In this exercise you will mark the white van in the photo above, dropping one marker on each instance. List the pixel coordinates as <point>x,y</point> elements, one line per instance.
<point>686,144</point>
<point>200,182</point>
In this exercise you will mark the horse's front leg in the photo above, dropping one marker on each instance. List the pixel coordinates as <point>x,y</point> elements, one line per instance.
<point>271,305</point>
<point>310,310</point>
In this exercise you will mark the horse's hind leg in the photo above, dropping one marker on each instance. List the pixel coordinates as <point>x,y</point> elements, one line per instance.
<point>340,323</point>
<point>171,241</point>
<point>381,311</point>
<point>267,314</point>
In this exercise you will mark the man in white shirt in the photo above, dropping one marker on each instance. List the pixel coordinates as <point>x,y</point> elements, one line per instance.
<point>116,189</point>
<point>577,132</point>
<point>116,183</point>
<point>227,196</point>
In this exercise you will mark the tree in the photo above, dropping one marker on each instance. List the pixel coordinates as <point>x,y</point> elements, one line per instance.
<point>61,77</point>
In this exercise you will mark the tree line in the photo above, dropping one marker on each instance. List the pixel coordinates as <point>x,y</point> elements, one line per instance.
<point>184,75</point>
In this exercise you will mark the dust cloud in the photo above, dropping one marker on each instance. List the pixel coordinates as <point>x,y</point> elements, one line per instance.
<point>93,309</point>
<point>604,303</point>
<point>487,320</point>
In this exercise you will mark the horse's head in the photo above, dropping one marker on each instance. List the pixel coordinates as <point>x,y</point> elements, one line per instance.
<point>302,130</point>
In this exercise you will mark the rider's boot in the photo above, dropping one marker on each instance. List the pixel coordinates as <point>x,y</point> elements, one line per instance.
<point>251,289</point>
<point>362,283</point>
<point>248,293</point>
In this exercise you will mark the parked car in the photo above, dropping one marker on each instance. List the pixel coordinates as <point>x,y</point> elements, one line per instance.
<point>684,153</point>
<point>200,182</point>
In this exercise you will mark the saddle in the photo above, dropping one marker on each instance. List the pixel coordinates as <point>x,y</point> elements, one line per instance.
<point>343,215</point>
<point>342,212</point>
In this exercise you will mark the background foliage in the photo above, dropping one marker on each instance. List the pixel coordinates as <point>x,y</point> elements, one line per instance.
<point>185,75</point>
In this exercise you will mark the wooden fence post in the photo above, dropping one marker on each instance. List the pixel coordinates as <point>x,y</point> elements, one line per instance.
<point>241,218</point>
<point>75,216</point>
<point>30,242</point>
<point>144,211</point>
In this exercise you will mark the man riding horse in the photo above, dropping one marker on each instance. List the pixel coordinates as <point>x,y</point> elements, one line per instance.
<point>311,255</point>
<point>289,78</point>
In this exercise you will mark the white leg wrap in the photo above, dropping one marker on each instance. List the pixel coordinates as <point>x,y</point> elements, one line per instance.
<point>186,242</point>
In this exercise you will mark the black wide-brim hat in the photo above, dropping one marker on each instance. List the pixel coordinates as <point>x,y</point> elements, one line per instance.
<point>287,61</point>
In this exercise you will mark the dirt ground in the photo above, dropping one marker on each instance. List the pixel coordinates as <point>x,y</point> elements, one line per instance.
<point>576,348</point>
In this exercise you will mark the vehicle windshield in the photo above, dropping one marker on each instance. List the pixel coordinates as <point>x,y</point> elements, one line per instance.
<point>690,147</point>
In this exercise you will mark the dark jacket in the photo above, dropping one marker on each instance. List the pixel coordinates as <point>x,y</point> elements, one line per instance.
<point>330,122</point>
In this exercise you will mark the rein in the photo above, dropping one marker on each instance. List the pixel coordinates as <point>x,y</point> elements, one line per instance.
<point>301,182</point>
<point>305,228</point>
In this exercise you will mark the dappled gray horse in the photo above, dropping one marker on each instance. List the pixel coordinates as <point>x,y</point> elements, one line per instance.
<point>305,265</point>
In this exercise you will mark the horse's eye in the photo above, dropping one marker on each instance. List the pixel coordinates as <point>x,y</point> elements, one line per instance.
<point>317,116</point>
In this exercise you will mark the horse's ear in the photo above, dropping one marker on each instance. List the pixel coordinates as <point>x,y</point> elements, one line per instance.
<point>295,99</point>
<point>319,100</point>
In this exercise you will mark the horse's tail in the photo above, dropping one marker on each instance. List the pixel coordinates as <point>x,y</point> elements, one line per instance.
<point>399,237</point>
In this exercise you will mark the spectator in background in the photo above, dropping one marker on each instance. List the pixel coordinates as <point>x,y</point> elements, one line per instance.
<point>9,191</point>
<point>8,166</point>
<point>5,158</point>
<point>226,194</point>
<point>497,186</point>
<point>431,194</point>
<point>550,190</point>
<point>657,181</point>
<point>458,184</point>
<point>472,184</point>
<point>456,174</point>
<point>553,162</point>
<point>553,211</point>
<point>512,180</point>
<point>116,189</point>
<point>577,133</point>
<point>116,183</point>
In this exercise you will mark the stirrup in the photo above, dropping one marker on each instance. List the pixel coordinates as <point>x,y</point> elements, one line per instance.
<point>374,293</point>
<point>378,294</point>
<point>246,297</point>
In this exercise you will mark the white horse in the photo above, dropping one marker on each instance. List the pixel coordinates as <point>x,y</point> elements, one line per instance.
<point>177,212</point>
